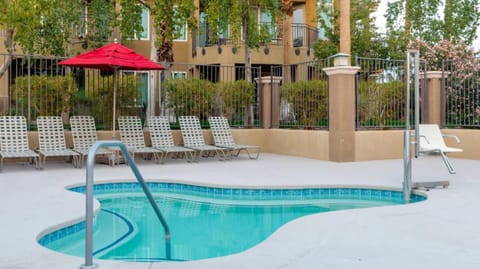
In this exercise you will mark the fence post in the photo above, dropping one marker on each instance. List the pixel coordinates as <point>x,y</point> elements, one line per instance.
<point>432,105</point>
<point>270,101</point>
<point>341,112</point>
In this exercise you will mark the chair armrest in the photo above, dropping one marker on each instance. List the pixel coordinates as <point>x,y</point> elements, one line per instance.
<point>452,136</point>
<point>424,137</point>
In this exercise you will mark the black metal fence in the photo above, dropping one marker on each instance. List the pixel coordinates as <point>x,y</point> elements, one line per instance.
<point>34,86</point>
<point>461,82</point>
<point>211,90</point>
<point>303,95</point>
<point>37,86</point>
<point>380,93</point>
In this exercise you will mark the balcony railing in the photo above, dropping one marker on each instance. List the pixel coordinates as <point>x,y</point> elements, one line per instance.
<point>303,35</point>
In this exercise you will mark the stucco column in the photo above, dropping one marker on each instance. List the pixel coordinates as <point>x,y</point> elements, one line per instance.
<point>341,112</point>
<point>269,101</point>
<point>433,104</point>
<point>344,24</point>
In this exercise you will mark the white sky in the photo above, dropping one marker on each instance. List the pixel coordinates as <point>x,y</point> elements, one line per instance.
<point>380,21</point>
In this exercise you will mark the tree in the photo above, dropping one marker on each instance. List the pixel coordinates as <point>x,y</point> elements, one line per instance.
<point>169,17</point>
<point>409,20</point>
<point>241,18</point>
<point>364,37</point>
<point>48,27</point>
<point>461,18</point>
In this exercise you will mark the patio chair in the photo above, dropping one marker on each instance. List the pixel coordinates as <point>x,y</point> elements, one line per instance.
<point>131,134</point>
<point>222,137</point>
<point>51,139</point>
<point>84,135</point>
<point>431,141</point>
<point>162,139</point>
<point>193,138</point>
<point>14,140</point>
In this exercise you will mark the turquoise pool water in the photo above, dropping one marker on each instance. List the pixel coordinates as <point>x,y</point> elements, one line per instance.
<point>204,222</point>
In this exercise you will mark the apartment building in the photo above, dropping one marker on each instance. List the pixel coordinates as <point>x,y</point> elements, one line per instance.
<point>197,52</point>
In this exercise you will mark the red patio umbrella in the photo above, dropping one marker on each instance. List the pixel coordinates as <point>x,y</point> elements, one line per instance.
<point>112,57</point>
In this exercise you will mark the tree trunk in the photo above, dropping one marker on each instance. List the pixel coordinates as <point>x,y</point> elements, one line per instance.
<point>248,59</point>
<point>9,57</point>
<point>287,10</point>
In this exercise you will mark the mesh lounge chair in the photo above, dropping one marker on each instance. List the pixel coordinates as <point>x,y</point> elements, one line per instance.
<point>162,139</point>
<point>51,138</point>
<point>131,134</point>
<point>222,136</point>
<point>14,140</point>
<point>192,135</point>
<point>431,141</point>
<point>84,136</point>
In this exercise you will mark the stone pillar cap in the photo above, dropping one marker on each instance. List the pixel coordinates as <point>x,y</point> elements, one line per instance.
<point>269,79</point>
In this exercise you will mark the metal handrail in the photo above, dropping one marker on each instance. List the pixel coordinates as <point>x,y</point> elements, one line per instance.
<point>89,199</point>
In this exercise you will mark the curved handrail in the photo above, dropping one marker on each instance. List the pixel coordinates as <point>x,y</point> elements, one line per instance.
<point>89,199</point>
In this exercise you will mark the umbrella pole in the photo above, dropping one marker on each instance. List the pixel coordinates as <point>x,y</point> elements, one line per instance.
<point>114,101</point>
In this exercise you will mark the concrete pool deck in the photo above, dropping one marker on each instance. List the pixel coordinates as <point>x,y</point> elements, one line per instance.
<point>441,232</point>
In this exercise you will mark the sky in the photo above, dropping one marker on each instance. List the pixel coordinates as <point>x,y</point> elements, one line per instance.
<point>380,21</point>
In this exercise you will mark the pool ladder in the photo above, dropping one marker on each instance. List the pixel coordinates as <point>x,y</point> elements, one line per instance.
<point>89,199</point>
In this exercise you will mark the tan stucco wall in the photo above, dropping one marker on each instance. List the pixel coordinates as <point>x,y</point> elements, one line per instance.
<point>370,145</point>
<point>303,143</point>
<point>378,145</point>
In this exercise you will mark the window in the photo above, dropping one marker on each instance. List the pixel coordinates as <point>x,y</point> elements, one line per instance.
<point>266,20</point>
<point>182,30</point>
<point>179,75</point>
<point>145,23</point>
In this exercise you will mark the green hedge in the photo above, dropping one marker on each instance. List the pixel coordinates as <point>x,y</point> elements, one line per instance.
<point>203,98</point>
<point>381,104</point>
<point>49,95</point>
<point>308,101</point>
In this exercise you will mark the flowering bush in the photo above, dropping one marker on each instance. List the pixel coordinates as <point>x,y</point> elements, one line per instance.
<point>462,83</point>
<point>460,57</point>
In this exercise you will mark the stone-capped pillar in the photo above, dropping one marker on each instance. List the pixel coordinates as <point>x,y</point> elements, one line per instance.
<point>341,112</point>
<point>433,105</point>
<point>269,101</point>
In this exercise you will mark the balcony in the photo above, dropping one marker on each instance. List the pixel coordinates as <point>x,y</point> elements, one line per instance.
<point>303,36</point>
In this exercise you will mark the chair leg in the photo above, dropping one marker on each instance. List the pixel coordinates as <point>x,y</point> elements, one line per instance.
<point>447,162</point>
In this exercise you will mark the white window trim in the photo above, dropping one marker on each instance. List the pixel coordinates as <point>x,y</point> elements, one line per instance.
<point>179,72</point>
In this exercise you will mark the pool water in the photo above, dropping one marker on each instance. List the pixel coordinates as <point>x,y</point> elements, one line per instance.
<point>201,225</point>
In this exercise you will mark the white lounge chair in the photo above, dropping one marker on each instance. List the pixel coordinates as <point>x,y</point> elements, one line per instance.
<point>131,134</point>
<point>431,141</point>
<point>193,138</point>
<point>162,139</point>
<point>14,140</point>
<point>222,137</point>
<point>51,138</point>
<point>84,135</point>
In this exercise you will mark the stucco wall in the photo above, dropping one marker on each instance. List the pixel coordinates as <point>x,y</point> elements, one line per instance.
<point>376,145</point>
<point>369,145</point>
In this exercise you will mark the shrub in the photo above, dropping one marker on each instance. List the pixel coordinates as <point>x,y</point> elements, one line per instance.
<point>381,104</point>
<point>232,97</point>
<point>204,98</point>
<point>49,95</point>
<point>190,97</point>
<point>308,100</point>
<point>98,100</point>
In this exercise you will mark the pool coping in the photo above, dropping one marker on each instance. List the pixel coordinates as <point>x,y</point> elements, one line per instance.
<point>363,238</point>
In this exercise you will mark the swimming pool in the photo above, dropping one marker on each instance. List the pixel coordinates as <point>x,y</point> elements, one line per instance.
<point>205,222</point>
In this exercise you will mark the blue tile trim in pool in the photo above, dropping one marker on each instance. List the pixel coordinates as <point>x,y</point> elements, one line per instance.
<point>255,194</point>
<point>235,194</point>
<point>54,236</point>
